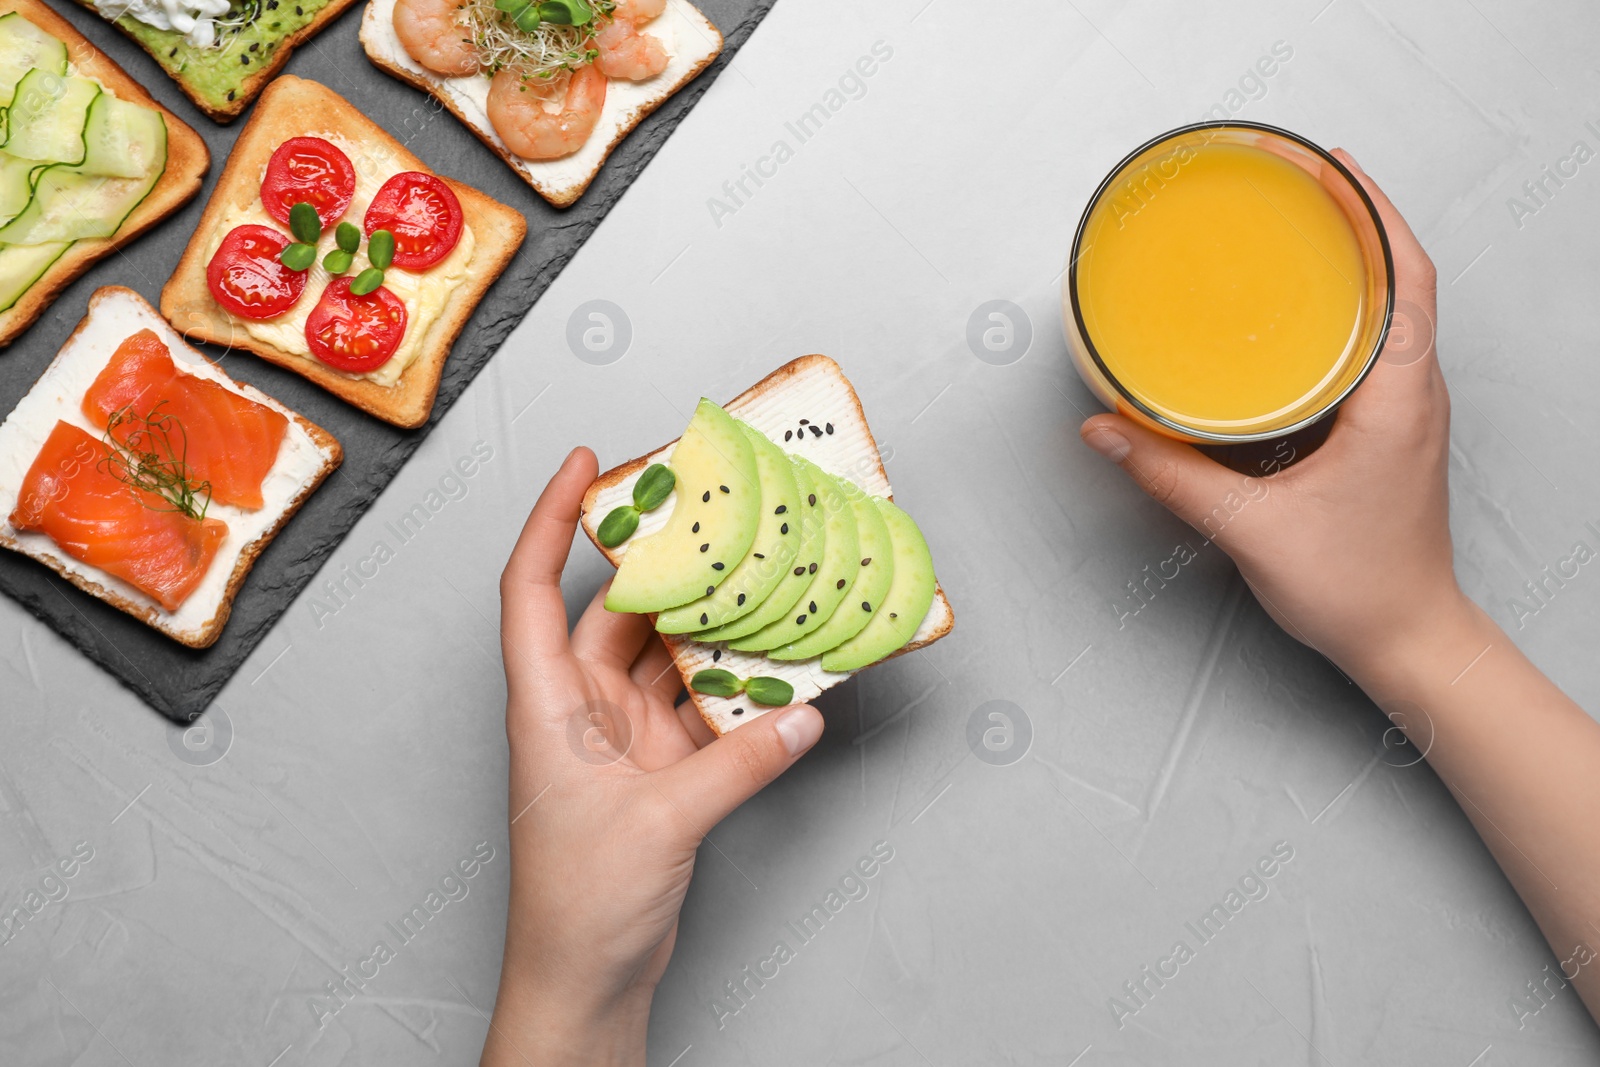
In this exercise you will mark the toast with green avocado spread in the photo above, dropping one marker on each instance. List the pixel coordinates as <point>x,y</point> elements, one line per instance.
<point>767,548</point>
<point>221,53</point>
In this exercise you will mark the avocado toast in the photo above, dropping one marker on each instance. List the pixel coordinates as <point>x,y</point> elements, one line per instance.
<point>251,43</point>
<point>772,558</point>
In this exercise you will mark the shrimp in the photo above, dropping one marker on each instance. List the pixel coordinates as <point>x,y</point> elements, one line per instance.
<point>539,119</point>
<point>432,34</point>
<point>639,12</point>
<point>625,52</point>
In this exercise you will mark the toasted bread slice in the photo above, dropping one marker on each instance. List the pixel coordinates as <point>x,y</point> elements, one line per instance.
<point>811,388</point>
<point>691,41</point>
<point>308,455</point>
<point>187,162</point>
<point>242,73</point>
<point>294,107</point>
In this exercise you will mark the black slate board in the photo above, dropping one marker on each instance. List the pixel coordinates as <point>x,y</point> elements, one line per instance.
<point>181,682</point>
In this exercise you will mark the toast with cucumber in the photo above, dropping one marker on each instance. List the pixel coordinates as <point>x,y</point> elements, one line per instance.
<point>222,53</point>
<point>88,160</point>
<point>766,546</point>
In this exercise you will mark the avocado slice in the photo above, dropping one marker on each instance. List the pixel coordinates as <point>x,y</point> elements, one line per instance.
<point>796,577</point>
<point>873,572</point>
<point>893,622</point>
<point>715,514</point>
<point>835,571</point>
<point>770,557</point>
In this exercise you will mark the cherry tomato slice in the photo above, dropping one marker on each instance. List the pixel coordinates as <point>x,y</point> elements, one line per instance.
<point>355,333</point>
<point>422,213</point>
<point>312,170</point>
<point>246,277</point>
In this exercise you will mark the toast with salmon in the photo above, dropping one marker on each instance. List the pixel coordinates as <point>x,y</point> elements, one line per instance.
<point>186,163</point>
<point>298,117</point>
<point>775,601</point>
<point>145,476</point>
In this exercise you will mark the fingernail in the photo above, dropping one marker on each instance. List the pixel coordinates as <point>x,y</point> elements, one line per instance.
<point>1109,443</point>
<point>799,726</point>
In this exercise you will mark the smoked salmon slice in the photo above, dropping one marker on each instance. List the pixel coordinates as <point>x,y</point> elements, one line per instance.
<point>229,440</point>
<point>71,495</point>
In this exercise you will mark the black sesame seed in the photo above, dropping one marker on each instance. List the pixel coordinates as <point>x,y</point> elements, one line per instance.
<point>799,570</point>
<point>723,488</point>
<point>759,555</point>
<point>716,566</point>
<point>272,5</point>
<point>297,10</point>
<point>865,606</point>
<point>780,509</point>
<point>738,711</point>
<point>172,53</point>
<point>813,607</point>
<point>812,500</point>
<point>812,568</point>
<point>741,600</point>
<point>705,546</point>
<point>255,46</point>
<point>705,497</point>
<point>710,589</point>
<point>230,94</point>
<point>716,655</point>
<point>866,561</point>
<point>787,434</point>
<point>784,528</point>
<point>703,618</point>
<point>695,528</point>
<point>800,620</point>
<point>894,614</point>
<point>817,430</point>
<point>804,421</point>
<point>245,60</point>
<point>839,584</point>
<point>830,427</point>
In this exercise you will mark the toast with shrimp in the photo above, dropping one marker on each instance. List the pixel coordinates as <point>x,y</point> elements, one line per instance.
<point>222,63</point>
<point>549,112</point>
<point>145,476</point>
<point>429,246</point>
<point>79,89</point>
<point>766,547</point>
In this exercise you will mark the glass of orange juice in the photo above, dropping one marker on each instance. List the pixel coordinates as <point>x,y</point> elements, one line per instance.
<point>1229,282</point>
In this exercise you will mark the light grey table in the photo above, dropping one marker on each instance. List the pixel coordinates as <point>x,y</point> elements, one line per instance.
<point>1162,753</point>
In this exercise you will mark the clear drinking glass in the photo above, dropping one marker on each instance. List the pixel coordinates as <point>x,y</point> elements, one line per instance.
<point>1158,161</point>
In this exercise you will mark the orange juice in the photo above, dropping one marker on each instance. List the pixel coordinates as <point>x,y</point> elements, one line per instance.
<point>1224,288</point>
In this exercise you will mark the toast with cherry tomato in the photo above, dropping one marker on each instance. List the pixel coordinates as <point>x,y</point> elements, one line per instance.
<point>330,250</point>
<point>88,160</point>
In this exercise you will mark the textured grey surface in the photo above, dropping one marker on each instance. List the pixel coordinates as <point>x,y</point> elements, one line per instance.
<point>1168,753</point>
<point>181,682</point>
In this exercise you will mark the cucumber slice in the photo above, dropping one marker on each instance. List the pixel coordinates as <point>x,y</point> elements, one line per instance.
<point>22,265</point>
<point>24,46</point>
<point>69,204</point>
<point>122,140</point>
<point>16,185</point>
<point>46,119</point>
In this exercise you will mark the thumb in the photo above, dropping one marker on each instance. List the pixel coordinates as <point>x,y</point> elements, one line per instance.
<point>705,787</point>
<point>1187,483</point>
